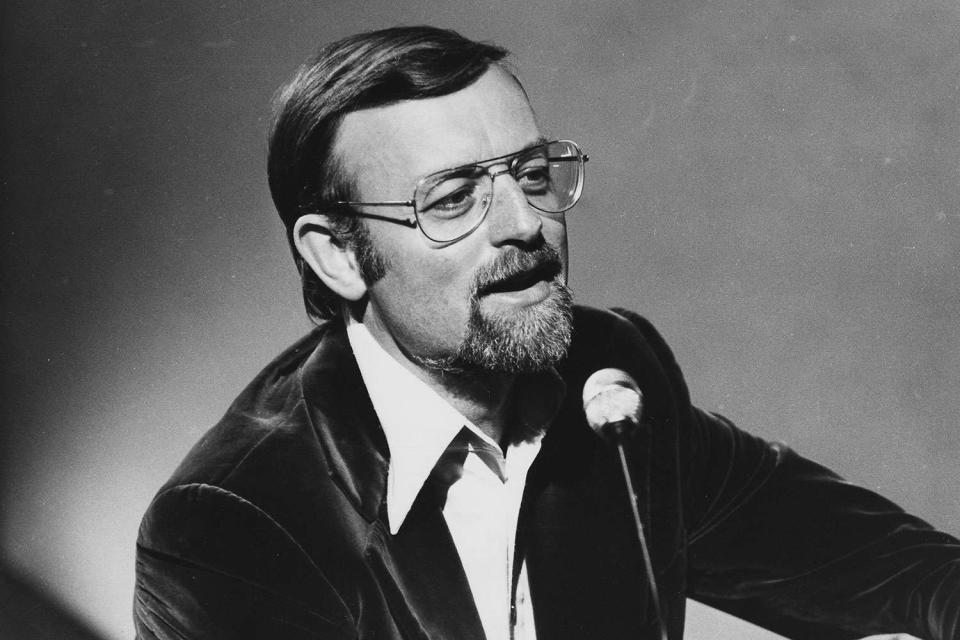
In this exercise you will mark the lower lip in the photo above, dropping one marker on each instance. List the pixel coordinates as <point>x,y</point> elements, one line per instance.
<point>534,294</point>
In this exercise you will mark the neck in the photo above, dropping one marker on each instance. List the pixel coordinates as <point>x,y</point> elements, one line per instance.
<point>483,397</point>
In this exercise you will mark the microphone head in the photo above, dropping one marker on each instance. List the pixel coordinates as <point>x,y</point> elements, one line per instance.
<point>612,401</point>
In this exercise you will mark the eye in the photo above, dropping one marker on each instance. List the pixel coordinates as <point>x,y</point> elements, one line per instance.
<point>534,177</point>
<point>450,198</point>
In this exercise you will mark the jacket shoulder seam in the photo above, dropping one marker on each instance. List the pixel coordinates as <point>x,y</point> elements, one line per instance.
<point>220,492</point>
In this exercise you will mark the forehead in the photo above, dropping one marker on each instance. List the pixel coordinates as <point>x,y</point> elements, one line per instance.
<point>388,148</point>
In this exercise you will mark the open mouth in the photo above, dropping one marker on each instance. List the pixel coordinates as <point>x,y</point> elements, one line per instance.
<point>518,281</point>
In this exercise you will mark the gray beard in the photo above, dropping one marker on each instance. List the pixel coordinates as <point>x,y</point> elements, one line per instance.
<point>532,340</point>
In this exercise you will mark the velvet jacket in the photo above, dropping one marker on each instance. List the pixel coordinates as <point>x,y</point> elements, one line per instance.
<point>274,526</point>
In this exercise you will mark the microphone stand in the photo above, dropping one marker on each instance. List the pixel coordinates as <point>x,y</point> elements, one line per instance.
<point>619,429</point>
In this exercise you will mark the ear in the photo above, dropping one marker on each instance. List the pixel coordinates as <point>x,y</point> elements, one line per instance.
<point>332,261</point>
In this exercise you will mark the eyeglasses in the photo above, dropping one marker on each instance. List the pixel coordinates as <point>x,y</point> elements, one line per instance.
<point>450,204</point>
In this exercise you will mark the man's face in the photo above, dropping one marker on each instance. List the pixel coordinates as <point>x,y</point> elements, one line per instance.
<point>495,300</point>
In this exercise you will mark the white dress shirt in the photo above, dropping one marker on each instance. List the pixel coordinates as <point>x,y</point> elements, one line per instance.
<point>482,505</point>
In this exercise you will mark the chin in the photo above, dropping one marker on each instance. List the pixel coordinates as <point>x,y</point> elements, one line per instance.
<point>526,339</point>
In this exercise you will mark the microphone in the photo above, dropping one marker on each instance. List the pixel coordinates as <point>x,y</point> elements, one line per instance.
<point>613,405</point>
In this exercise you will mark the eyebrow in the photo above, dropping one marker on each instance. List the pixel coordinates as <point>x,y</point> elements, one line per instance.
<point>536,143</point>
<point>539,141</point>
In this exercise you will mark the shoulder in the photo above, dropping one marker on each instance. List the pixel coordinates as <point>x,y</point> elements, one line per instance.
<point>216,528</point>
<point>624,338</point>
<point>268,409</point>
<point>211,563</point>
<point>253,502</point>
<point>614,325</point>
<point>290,439</point>
<point>250,465</point>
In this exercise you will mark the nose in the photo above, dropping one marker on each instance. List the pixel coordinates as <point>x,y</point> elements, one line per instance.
<point>511,218</point>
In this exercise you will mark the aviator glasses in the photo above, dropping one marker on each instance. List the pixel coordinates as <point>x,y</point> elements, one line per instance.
<point>450,204</point>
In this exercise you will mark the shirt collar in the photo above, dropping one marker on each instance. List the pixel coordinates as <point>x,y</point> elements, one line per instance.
<point>420,425</point>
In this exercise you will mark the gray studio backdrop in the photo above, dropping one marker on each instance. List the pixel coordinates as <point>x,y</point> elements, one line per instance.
<point>774,184</point>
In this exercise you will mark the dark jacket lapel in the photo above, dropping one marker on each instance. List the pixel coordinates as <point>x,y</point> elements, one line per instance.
<point>576,531</point>
<point>423,562</point>
<point>418,570</point>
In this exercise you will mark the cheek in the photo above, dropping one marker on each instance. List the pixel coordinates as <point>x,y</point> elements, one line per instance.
<point>555,233</point>
<point>427,304</point>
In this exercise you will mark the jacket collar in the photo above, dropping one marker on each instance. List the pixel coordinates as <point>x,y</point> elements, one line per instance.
<point>418,570</point>
<point>343,416</point>
<point>344,420</point>
<point>419,425</point>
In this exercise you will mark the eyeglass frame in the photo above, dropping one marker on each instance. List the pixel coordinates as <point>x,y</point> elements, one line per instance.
<point>509,158</point>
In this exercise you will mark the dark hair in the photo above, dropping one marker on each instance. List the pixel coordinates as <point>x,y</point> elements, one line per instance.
<point>366,70</point>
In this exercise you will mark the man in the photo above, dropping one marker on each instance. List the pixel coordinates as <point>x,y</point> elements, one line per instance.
<point>419,466</point>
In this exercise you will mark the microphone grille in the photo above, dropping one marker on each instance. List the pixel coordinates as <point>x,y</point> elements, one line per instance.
<point>611,395</point>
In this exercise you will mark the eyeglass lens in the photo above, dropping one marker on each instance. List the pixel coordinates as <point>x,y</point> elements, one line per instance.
<point>452,203</point>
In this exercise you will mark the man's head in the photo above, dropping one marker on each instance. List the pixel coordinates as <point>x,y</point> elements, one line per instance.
<point>369,121</point>
<point>360,72</point>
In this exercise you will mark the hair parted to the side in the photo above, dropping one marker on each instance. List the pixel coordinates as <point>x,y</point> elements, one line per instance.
<point>366,70</point>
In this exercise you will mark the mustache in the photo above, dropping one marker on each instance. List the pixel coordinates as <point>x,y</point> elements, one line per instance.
<point>517,267</point>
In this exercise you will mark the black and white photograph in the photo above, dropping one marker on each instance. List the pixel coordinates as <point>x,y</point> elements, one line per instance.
<point>480,321</point>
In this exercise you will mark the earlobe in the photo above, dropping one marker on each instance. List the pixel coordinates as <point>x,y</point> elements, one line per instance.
<point>332,260</point>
